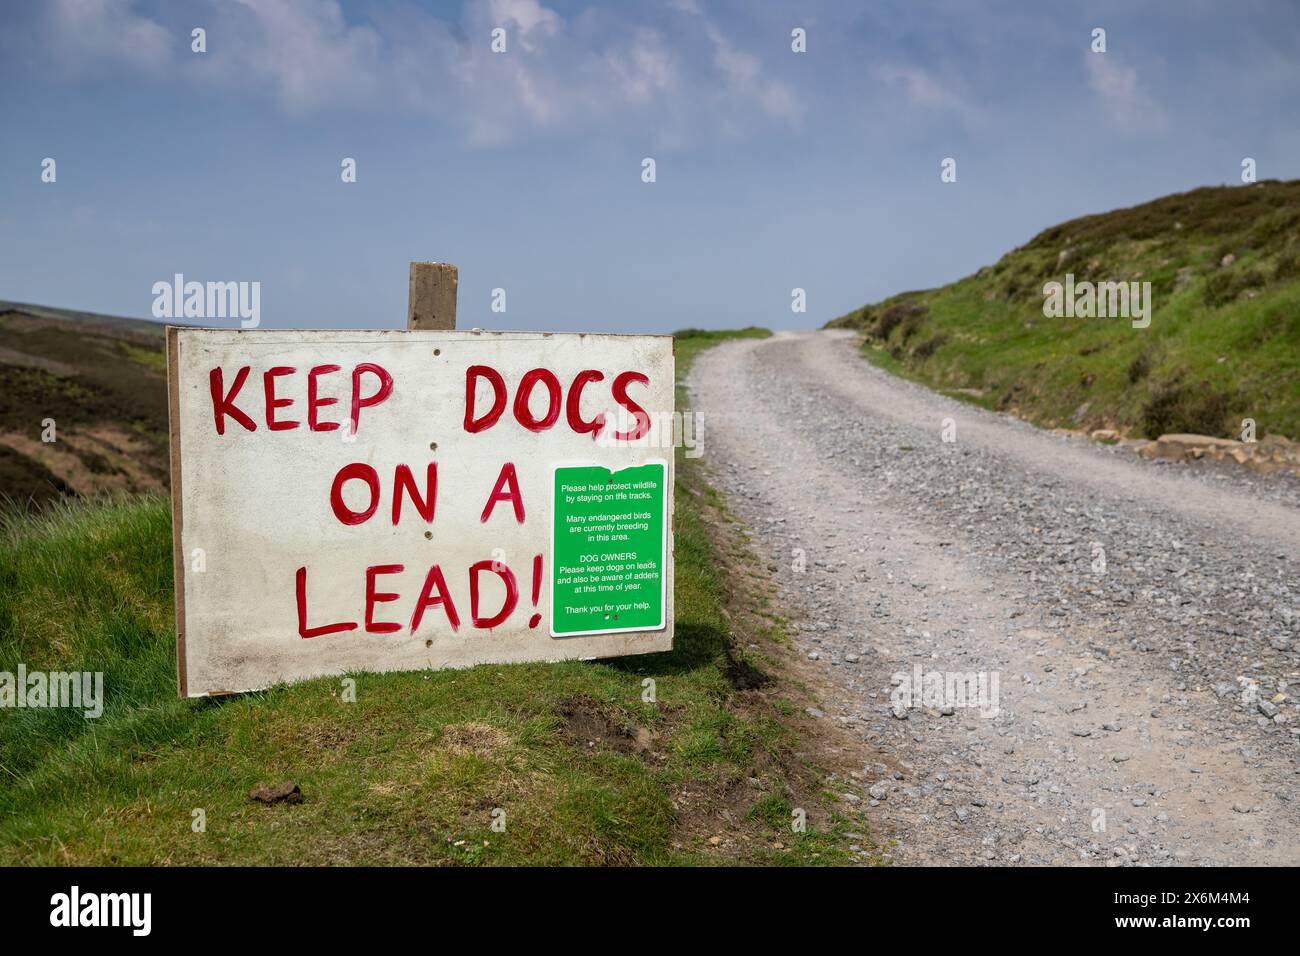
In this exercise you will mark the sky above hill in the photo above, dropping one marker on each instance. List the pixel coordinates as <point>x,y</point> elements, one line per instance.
<point>774,169</point>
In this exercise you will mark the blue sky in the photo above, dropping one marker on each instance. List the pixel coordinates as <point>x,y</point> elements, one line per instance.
<point>775,169</point>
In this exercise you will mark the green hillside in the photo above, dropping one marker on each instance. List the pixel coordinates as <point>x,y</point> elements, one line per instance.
<point>1223,343</point>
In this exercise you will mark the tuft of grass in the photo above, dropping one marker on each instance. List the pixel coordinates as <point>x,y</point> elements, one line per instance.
<point>417,769</point>
<point>1230,325</point>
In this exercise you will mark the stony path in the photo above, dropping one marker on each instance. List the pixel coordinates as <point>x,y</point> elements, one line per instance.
<point>1140,618</point>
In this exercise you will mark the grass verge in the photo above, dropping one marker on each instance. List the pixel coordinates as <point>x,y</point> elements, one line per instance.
<point>581,769</point>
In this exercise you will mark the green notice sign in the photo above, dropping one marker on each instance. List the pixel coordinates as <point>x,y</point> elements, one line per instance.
<point>608,549</point>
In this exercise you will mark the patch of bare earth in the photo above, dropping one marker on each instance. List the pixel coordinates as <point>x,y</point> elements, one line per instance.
<point>481,740</point>
<point>92,460</point>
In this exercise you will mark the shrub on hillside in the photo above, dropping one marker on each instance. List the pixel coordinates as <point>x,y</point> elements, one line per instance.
<point>1224,286</point>
<point>895,315</point>
<point>1287,265</point>
<point>1140,367</point>
<point>1176,408</point>
<point>930,346</point>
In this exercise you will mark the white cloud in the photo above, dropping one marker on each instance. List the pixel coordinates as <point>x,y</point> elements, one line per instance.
<point>303,50</point>
<point>1127,103</point>
<point>602,68</point>
<point>85,35</point>
<point>741,70</point>
<point>779,101</point>
<point>644,70</point>
<point>743,74</point>
<point>532,22</point>
<point>921,88</point>
<point>612,66</point>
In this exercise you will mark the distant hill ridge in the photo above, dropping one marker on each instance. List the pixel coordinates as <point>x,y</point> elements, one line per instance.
<point>144,328</point>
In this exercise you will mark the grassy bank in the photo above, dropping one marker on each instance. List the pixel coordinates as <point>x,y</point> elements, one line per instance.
<point>1223,343</point>
<point>412,772</point>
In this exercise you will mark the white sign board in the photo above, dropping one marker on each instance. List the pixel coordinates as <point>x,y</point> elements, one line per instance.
<point>402,500</point>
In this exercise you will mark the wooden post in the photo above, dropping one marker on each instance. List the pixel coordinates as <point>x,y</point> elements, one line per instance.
<point>431,302</point>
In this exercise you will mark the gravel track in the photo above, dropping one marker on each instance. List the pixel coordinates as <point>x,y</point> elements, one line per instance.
<point>1141,618</point>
